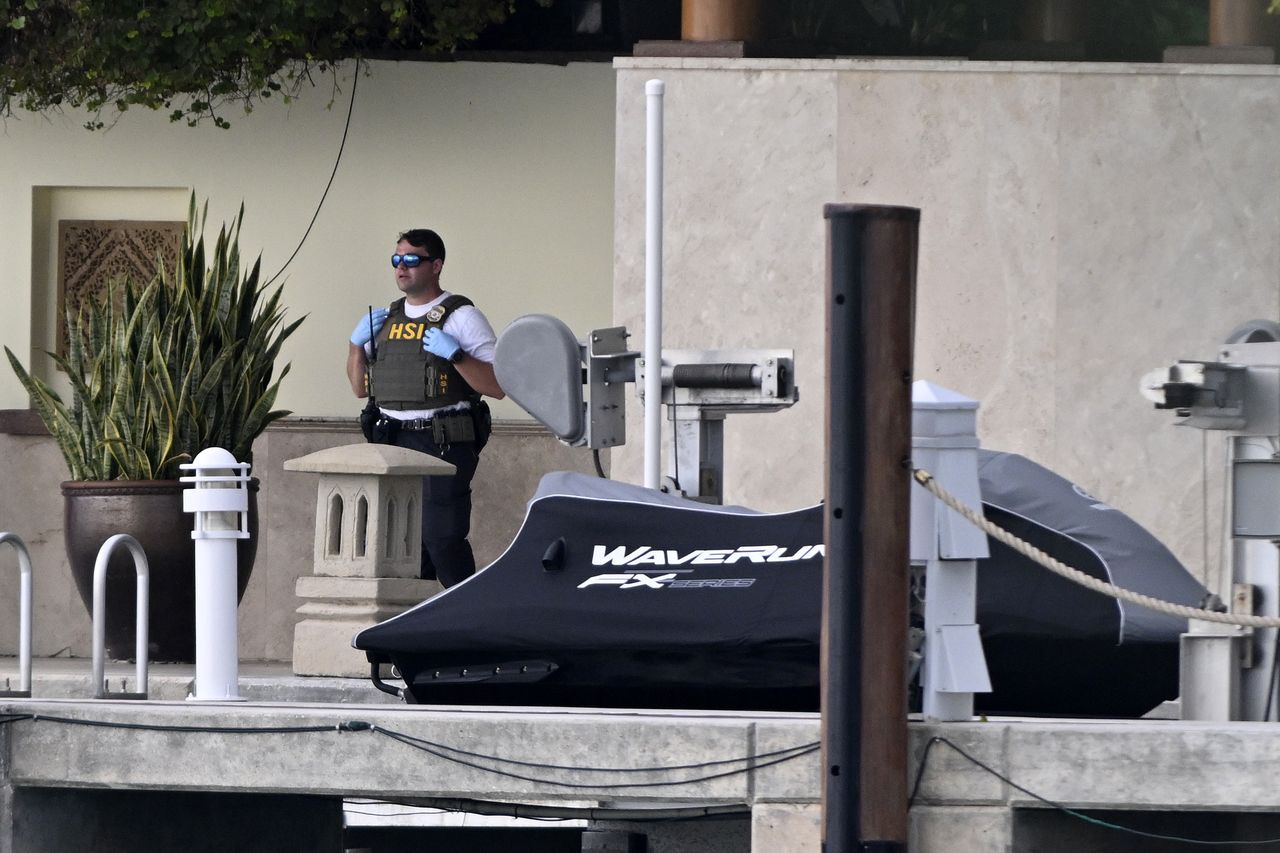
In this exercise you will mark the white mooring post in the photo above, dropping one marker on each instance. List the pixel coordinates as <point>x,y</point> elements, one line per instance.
<point>219,498</point>
<point>944,442</point>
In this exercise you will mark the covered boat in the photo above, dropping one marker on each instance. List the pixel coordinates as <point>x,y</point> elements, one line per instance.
<point>613,595</point>
<point>1052,646</point>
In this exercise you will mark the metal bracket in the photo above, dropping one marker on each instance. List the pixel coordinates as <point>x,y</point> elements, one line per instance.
<point>1205,394</point>
<point>610,366</point>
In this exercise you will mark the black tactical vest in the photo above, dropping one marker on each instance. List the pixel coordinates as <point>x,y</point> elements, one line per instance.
<point>405,376</point>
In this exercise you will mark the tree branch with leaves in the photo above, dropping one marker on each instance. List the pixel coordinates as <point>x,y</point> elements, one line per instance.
<point>197,58</point>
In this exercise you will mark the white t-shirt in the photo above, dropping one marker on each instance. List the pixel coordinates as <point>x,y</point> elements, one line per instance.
<point>469,326</point>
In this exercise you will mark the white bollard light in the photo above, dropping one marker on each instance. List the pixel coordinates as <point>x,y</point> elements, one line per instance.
<point>219,498</point>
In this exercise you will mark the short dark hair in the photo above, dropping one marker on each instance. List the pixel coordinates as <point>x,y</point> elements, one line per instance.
<point>424,238</point>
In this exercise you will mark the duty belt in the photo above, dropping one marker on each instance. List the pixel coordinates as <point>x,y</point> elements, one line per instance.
<point>448,428</point>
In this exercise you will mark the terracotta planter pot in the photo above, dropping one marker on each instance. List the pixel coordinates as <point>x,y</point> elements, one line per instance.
<point>151,512</point>
<point>721,20</point>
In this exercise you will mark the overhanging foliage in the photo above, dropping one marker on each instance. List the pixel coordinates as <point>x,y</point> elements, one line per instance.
<point>193,58</point>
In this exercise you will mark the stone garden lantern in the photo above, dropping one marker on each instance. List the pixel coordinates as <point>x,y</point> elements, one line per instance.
<point>367,550</point>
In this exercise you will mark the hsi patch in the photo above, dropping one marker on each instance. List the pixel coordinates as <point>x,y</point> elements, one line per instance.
<point>406,331</point>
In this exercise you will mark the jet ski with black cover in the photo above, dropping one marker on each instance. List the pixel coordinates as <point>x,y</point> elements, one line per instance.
<point>613,595</point>
<point>616,595</point>
<point>1052,646</point>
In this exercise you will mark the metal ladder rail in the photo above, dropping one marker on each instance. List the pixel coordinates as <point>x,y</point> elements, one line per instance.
<point>24,619</point>
<point>100,690</point>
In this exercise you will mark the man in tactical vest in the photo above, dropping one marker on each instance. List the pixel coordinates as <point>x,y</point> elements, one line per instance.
<point>424,362</point>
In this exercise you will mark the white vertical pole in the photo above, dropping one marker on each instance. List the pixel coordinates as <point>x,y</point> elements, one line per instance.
<point>217,651</point>
<point>653,286</point>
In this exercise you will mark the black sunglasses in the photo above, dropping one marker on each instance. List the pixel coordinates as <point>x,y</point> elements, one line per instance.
<point>409,261</point>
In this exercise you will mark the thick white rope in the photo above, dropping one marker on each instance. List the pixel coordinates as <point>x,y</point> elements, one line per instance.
<point>1058,567</point>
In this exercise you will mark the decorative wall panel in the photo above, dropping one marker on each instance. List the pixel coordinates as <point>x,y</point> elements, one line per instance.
<point>93,252</point>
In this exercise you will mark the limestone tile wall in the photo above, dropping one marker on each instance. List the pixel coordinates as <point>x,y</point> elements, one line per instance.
<point>1171,241</point>
<point>1081,224</point>
<point>750,163</point>
<point>977,153</point>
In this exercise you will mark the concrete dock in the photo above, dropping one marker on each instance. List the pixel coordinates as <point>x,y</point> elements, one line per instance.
<point>107,775</point>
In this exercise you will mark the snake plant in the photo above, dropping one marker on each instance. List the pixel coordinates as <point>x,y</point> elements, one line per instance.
<point>162,369</point>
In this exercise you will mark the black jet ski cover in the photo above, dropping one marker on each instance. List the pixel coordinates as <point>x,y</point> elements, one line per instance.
<point>614,595</point>
<point>1052,646</point>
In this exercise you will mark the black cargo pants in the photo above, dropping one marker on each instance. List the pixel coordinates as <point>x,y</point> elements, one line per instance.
<point>446,501</point>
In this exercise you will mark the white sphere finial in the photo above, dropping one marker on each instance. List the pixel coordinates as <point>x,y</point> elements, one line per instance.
<point>214,457</point>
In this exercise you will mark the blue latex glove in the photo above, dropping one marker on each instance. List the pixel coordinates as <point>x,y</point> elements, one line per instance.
<point>441,343</point>
<point>368,326</point>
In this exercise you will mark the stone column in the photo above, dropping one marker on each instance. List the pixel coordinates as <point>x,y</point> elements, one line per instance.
<point>721,20</point>
<point>368,544</point>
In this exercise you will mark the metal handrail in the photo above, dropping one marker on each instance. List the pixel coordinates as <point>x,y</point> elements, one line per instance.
<point>24,616</point>
<point>100,616</point>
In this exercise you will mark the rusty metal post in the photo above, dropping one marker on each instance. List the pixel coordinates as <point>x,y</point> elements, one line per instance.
<point>870,319</point>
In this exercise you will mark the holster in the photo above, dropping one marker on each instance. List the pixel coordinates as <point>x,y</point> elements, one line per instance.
<point>368,416</point>
<point>453,428</point>
<point>483,422</point>
<point>378,429</point>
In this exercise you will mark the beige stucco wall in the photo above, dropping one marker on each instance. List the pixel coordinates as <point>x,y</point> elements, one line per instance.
<point>512,164</point>
<point>1081,225</point>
